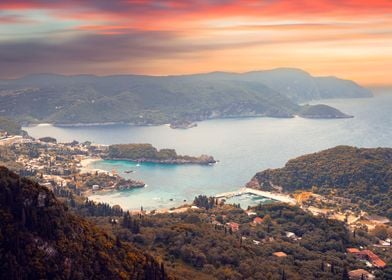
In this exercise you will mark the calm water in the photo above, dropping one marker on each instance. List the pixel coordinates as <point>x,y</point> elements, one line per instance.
<point>243,146</point>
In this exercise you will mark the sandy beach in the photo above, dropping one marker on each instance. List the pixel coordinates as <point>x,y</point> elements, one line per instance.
<point>86,165</point>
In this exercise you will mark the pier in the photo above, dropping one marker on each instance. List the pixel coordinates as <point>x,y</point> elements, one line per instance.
<point>275,196</point>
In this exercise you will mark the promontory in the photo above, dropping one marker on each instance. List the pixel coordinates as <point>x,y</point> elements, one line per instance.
<point>148,153</point>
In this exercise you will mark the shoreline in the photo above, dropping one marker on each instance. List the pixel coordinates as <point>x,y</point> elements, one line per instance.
<point>168,162</point>
<point>86,165</point>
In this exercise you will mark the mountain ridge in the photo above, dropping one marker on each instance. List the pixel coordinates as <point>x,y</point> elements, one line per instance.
<point>153,100</point>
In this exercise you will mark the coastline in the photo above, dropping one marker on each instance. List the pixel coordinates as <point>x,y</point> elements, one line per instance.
<point>195,161</point>
<point>197,120</point>
<point>86,165</point>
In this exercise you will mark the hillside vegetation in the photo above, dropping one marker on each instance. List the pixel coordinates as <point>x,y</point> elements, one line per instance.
<point>157,100</point>
<point>363,175</point>
<point>10,126</point>
<point>321,111</point>
<point>40,239</point>
<point>200,244</point>
<point>148,153</point>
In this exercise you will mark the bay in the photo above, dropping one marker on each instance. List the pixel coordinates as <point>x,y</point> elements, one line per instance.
<point>242,146</point>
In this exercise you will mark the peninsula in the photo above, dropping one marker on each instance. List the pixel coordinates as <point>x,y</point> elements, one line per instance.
<point>148,153</point>
<point>321,111</point>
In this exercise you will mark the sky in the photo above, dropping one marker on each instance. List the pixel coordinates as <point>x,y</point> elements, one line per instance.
<point>351,39</point>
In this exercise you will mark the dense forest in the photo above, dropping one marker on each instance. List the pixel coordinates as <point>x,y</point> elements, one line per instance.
<point>362,175</point>
<point>158,100</point>
<point>40,239</point>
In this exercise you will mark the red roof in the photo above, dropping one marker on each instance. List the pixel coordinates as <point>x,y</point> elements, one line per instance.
<point>369,255</point>
<point>234,226</point>
<point>257,220</point>
<point>358,273</point>
<point>352,250</point>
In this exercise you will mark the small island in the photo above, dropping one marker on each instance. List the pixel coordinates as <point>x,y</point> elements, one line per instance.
<point>182,125</point>
<point>148,153</point>
<point>321,111</point>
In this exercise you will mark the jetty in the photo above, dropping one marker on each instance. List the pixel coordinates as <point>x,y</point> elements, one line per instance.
<point>275,196</point>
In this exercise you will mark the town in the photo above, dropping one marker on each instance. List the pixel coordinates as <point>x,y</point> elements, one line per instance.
<point>61,166</point>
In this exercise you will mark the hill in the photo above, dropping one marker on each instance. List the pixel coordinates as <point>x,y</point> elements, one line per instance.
<point>147,100</point>
<point>321,111</point>
<point>298,85</point>
<point>362,175</point>
<point>224,242</point>
<point>10,126</point>
<point>40,239</point>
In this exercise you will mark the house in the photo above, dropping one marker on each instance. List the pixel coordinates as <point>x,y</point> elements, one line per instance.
<point>372,258</point>
<point>233,226</point>
<point>368,255</point>
<point>376,219</point>
<point>291,235</point>
<point>280,254</point>
<point>257,221</point>
<point>386,242</point>
<point>360,274</point>
<point>352,250</point>
<point>217,224</point>
<point>250,213</point>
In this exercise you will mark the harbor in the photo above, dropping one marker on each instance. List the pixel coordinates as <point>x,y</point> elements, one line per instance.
<point>270,195</point>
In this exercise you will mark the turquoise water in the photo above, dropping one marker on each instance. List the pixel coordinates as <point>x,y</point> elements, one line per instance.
<point>243,146</point>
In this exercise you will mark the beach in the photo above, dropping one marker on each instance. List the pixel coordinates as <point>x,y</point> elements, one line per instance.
<point>86,165</point>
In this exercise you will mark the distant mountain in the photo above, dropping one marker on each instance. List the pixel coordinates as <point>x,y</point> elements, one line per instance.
<point>40,239</point>
<point>298,85</point>
<point>362,175</point>
<point>147,100</point>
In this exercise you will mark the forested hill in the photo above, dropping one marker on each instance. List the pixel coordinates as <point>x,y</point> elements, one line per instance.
<point>10,126</point>
<point>364,175</point>
<point>157,100</point>
<point>41,240</point>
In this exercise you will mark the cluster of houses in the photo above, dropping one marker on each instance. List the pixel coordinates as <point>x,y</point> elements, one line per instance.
<point>6,139</point>
<point>234,227</point>
<point>368,256</point>
<point>371,259</point>
<point>60,165</point>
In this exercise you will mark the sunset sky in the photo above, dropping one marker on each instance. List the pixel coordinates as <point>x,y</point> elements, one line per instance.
<point>347,38</point>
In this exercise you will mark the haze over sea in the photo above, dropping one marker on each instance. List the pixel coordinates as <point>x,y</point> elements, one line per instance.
<point>243,147</point>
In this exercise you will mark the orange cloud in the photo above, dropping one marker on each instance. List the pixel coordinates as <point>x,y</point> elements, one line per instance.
<point>349,38</point>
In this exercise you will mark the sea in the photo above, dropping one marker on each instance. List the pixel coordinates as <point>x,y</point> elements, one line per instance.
<point>243,147</point>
